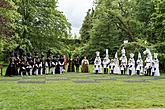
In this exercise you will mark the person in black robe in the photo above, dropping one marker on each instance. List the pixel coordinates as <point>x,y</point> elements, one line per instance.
<point>41,66</point>
<point>58,65</point>
<point>54,64</point>
<point>71,65</point>
<point>37,72</point>
<point>61,64</point>
<point>22,70</point>
<point>28,67</point>
<point>77,63</point>
<point>11,70</point>
<point>31,66</point>
<point>17,64</point>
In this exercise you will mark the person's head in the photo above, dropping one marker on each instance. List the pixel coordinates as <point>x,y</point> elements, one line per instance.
<point>85,57</point>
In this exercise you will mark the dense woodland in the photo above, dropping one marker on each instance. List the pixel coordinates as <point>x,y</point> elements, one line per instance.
<point>39,24</point>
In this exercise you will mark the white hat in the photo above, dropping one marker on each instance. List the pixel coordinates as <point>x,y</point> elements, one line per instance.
<point>131,55</point>
<point>123,51</point>
<point>139,56</point>
<point>155,55</point>
<point>97,54</point>
<point>116,55</point>
<point>106,52</point>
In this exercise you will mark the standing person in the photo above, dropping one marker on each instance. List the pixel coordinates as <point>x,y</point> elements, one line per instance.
<point>41,65</point>
<point>36,66</point>
<point>57,65</point>
<point>65,62</point>
<point>153,68</point>
<point>123,59</point>
<point>116,68</point>
<point>47,66</point>
<point>97,63</point>
<point>31,66</point>
<point>54,63</point>
<point>148,61</point>
<point>139,66</point>
<point>131,65</point>
<point>28,67</point>
<point>61,64</point>
<point>85,64</point>
<point>71,65</point>
<point>112,66</point>
<point>77,63</point>
<point>22,68</point>
<point>17,64</point>
<point>156,64</point>
<point>122,69</point>
<point>11,70</point>
<point>106,62</point>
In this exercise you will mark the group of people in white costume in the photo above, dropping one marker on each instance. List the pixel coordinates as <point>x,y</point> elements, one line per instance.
<point>123,66</point>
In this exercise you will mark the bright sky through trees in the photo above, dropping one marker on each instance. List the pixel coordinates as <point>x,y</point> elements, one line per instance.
<point>75,11</point>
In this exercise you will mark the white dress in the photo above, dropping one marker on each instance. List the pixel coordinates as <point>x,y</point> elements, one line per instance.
<point>157,73</point>
<point>117,68</point>
<point>97,65</point>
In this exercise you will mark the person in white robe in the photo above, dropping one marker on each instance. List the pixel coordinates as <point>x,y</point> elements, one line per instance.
<point>116,68</point>
<point>106,62</point>
<point>156,64</point>
<point>123,59</point>
<point>112,66</point>
<point>54,63</point>
<point>97,63</point>
<point>148,61</point>
<point>139,63</point>
<point>131,65</point>
<point>46,68</point>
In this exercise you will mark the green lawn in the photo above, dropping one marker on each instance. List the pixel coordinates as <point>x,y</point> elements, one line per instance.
<point>81,91</point>
<point>109,91</point>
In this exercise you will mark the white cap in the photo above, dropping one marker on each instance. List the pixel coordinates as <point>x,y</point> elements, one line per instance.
<point>107,53</point>
<point>97,54</point>
<point>123,51</point>
<point>131,55</point>
<point>116,55</point>
<point>139,56</point>
<point>155,55</point>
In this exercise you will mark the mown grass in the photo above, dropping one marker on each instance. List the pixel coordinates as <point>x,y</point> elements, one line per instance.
<point>116,92</point>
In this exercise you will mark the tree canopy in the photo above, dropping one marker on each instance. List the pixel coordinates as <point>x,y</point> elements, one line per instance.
<point>113,21</point>
<point>32,24</point>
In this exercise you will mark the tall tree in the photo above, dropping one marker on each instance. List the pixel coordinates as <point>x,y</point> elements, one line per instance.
<point>158,20</point>
<point>8,26</point>
<point>113,22</point>
<point>87,26</point>
<point>42,23</point>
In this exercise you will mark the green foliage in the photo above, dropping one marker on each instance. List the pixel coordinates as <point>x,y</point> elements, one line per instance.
<point>8,24</point>
<point>33,24</point>
<point>158,20</point>
<point>42,23</point>
<point>141,22</point>
<point>87,26</point>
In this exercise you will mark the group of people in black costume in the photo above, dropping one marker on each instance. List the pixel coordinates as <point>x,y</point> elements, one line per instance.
<point>40,65</point>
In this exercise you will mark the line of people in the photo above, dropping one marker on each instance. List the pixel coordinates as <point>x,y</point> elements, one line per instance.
<point>35,65</point>
<point>124,66</point>
<point>39,65</point>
